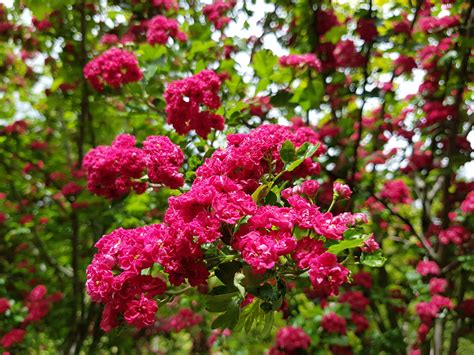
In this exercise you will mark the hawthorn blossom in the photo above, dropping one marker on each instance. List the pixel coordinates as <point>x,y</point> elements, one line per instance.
<point>428,267</point>
<point>115,67</point>
<point>291,338</point>
<point>185,100</point>
<point>160,29</point>
<point>332,323</point>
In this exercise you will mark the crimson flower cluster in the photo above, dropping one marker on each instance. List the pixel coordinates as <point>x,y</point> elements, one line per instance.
<point>184,319</point>
<point>113,171</point>
<point>160,29</point>
<point>189,104</point>
<point>221,197</point>
<point>215,12</point>
<point>290,340</point>
<point>115,67</point>
<point>38,304</point>
<point>300,60</point>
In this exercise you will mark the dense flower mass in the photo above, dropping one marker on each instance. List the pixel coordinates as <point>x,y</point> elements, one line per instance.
<point>163,160</point>
<point>292,338</point>
<point>404,64</point>
<point>184,319</point>
<point>190,102</point>
<point>14,336</point>
<point>114,67</point>
<point>347,229</point>
<point>221,196</point>
<point>113,171</point>
<point>332,323</point>
<point>160,29</point>
<point>367,29</point>
<point>216,11</point>
<point>347,56</point>
<point>428,267</point>
<point>396,191</point>
<point>455,235</point>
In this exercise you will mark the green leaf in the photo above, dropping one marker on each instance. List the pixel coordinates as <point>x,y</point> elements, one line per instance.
<point>280,99</point>
<point>226,271</point>
<point>260,192</point>
<point>306,151</point>
<point>229,319</point>
<point>220,303</point>
<point>375,259</point>
<point>238,277</point>
<point>348,244</point>
<point>287,152</point>
<point>467,262</point>
<point>264,62</point>
<point>335,34</point>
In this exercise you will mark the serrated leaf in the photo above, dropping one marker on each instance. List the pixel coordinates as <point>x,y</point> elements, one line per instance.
<point>347,244</point>
<point>375,259</point>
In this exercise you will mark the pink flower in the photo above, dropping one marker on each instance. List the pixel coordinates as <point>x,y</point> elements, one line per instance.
<point>367,29</point>
<point>166,4</point>
<point>332,323</point>
<point>112,170</point>
<point>300,60</point>
<point>163,160</point>
<point>258,251</point>
<point>310,188</point>
<point>347,56</point>
<point>109,38</point>
<point>14,336</point>
<point>466,308</point>
<point>370,245</point>
<point>160,29</point>
<point>184,101</point>
<point>292,339</point>
<point>361,322</point>
<point>307,250</point>
<point>216,11</point>
<point>71,189</point>
<point>363,279</point>
<point>442,302</point>
<point>326,274</point>
<point>438,285</point>
<point>115,67</point>
<point>428,267</point>
<point>467,206</point>
<point>454,234</point>
<point>356,299</point>
<point>404,64</point>
<point>435,112</point>
<point>396,191</point>
<point>433,24</point>
<point>427,311</point>
<point>342,190</point>
<point>326,19</point>
<point>141,313</point>
<point>4,305</point>
<point>423,331</point>
<point>109,318</point>
<point>184,319</point>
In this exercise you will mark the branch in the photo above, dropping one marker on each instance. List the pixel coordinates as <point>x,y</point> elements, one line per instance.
<point>405,220</point>
<point>38,242</point>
